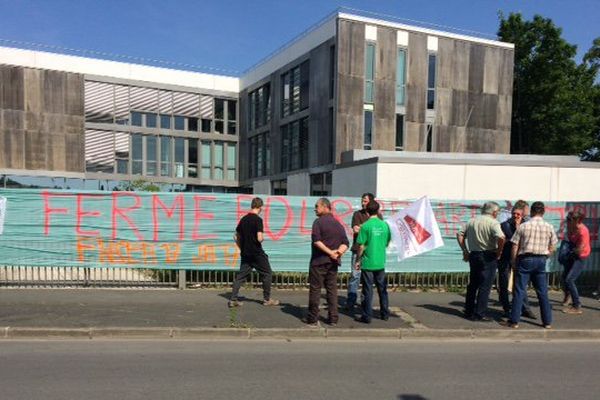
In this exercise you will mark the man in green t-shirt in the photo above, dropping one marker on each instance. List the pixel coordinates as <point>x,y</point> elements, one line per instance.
<point>373,239</point>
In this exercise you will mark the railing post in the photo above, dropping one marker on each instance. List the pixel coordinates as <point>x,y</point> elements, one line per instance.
<point>182,281</point>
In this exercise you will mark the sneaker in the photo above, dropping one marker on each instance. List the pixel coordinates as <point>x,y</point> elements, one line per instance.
<point>331,323</point>
<point>547,326</point>
<point>362,320</point>
<point>234,303</point>
<point>573,310</point>
<point>271,302</point>
<point>566,300</point>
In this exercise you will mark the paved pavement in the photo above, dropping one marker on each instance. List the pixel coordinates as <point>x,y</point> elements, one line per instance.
<point>155,313</point>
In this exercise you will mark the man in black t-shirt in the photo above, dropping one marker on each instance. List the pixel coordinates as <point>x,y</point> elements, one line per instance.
<point>249,236</point>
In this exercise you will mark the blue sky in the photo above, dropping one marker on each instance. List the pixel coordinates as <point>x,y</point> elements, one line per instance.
<point>232,35</point>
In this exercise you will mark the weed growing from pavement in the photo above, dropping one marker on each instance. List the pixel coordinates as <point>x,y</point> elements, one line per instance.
<point>234,319</point>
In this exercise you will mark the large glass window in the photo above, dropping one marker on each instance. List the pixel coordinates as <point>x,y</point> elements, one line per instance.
<point>151,149</point>
<point>399,132</point>
<point>122,152</point>
<point>369,72</point>
<point>165,121</point>
<point>231,162</point>
<point>137,156</point>
<point>259,103</point>
<point>206,158</point>
<point>368,130</point>
<point>429,140</point>
<point>320,184</point>
<point>165,156</point>
<point>295,89</point>
<point>401,76</point>
<point>218,158</point>
<point>150,120</point>
<point>179,171</point>
<point>219,115</point>
<point>279,188</point>
<point>179,122</point>
<point>193,158</point>
<point>294,145</point>
<point>331,71</point>
<point>431,82</point>
<point>136,118</point>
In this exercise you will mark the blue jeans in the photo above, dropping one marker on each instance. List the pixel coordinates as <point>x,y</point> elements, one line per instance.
<point>353,283</point>
<point>572,270</point>
<point>482,265</point>
<point>503,279</point>
<point>378,278</point>
<point>534,268</point>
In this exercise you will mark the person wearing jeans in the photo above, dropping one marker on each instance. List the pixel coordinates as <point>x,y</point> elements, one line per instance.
<point>358,218</point>
<point>373,239</point>
<point>579,237</point>
<point>532,243</point>
<point>481,241</point>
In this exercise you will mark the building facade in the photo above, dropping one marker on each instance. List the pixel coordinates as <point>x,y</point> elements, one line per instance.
<point>349,83</point>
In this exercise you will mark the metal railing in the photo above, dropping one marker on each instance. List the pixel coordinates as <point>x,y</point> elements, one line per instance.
<point>51,277</point>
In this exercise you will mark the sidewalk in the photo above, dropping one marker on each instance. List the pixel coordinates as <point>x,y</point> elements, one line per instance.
<point>203,313</point>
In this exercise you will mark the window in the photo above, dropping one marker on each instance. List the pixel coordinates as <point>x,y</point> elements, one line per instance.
<point>230,162</point>
<point>136,118</point>
<point>429,140</point>
<point>259,157</point>
<point>179,122</point>
<point>206,160</point>
<point>137,159</point>
<point>193,158</point>
<point>368,130</point>
<point>320,184</point>
<point>400,77</point>
<point>399,132</point>
<point>218,160</point>
<point>431,82</point>
<point>295,89</point>
<point>206,125</point>
<point>231,117</point>
<point>369,72</point>
<point>151,149</point>
<point>259,104</point>
<point>150,120</point>
<point>165,156</point>
<point>219,115</point>
<point>294,145</point>
<point>165,121</point>
<point>122,152</point>
<point>179,171</point>
<point>279,188</point>
<point>192,124</point>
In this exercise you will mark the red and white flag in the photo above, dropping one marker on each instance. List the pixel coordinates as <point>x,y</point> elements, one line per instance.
<point>415,230</point>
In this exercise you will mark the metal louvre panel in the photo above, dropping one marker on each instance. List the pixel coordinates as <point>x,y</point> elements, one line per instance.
<point>99,102</point>
<point>121,104</point>
<point>186,104</point>
<point>165,102</point>
<point>143,99</point>
<point>206,107</point>
<point>99,147</point>
<point>121,143</point>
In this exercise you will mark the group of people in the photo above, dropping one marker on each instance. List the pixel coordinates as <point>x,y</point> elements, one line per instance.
<point>328,244</point>
<point>520,245</point>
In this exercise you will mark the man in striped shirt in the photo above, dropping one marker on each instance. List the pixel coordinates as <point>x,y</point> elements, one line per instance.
<point>533,242</point>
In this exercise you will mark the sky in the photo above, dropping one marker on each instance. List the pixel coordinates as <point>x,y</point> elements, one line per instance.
<point>229,36</point>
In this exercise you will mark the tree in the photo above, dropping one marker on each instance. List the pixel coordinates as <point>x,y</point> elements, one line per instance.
<point>139,185</point>
<point>553,97</point>
<point>592,61</point>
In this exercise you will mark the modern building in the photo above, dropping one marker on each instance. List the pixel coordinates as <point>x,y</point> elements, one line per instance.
<point>352,83</point>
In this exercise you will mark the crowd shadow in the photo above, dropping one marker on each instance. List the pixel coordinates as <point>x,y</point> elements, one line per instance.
<point>411,397</point>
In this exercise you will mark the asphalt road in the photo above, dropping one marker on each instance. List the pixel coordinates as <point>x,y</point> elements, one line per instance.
<point>298,370</point>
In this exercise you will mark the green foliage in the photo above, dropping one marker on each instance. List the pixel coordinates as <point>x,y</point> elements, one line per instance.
<point>139,185</point>
<point>554,98</point>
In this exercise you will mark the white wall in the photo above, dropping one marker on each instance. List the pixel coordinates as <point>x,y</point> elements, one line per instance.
<point>474,182</point>
<point>354,181</point>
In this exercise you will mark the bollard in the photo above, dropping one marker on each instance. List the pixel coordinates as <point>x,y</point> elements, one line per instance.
<point>182,282</point>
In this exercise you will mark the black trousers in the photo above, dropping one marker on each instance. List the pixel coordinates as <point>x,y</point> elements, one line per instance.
<point>319,276</point>
<point>261,264</point>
